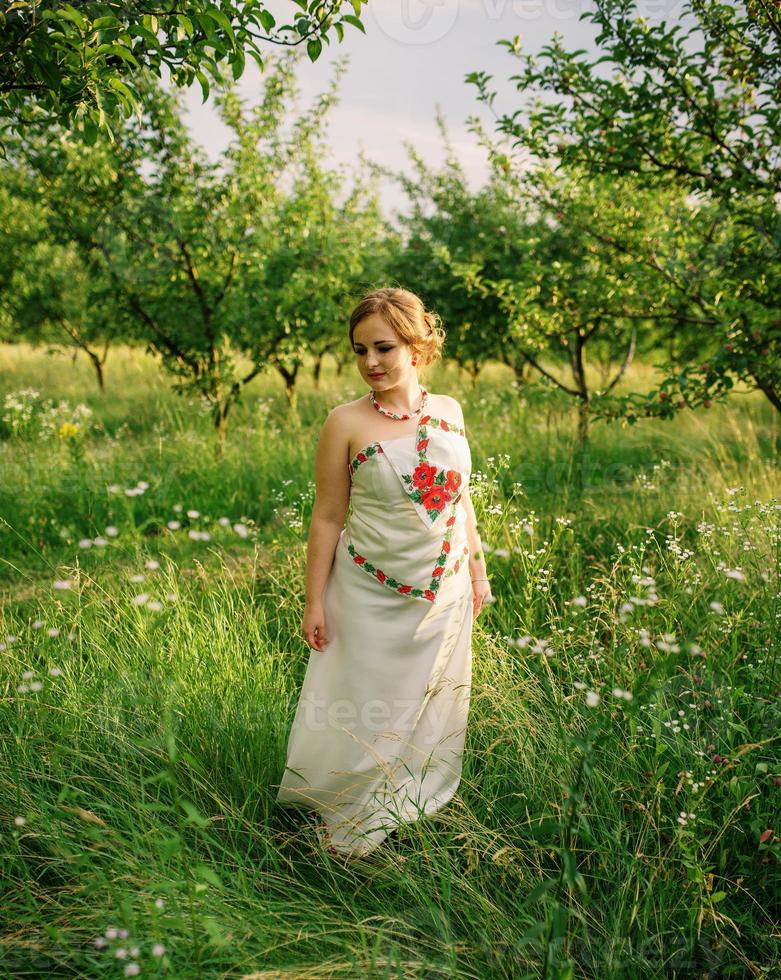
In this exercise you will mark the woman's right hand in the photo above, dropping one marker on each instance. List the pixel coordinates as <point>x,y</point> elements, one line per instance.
<point>313,626</point>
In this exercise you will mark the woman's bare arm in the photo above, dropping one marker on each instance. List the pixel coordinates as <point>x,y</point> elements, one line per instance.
<point>477,568</point>
<point>332,500</point>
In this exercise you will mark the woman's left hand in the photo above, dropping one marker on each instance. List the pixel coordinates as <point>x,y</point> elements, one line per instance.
<point>481,595</point>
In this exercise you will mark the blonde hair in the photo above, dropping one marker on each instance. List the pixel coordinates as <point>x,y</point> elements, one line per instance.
<point>405,313</point>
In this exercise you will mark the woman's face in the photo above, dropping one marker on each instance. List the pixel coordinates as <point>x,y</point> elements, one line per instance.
<point>383,358</point>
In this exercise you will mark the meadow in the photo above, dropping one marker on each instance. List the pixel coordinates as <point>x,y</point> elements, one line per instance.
<point>620,808</point>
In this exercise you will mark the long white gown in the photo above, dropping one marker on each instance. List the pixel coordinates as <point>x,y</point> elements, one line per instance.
<point>379,729</point>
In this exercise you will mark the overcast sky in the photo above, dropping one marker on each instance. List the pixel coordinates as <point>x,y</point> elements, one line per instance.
<point>414,56</point>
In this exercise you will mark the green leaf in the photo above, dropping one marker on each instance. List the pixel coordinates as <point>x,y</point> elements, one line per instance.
<point>68,13</point>
<point>90,131</point>
<point>207,874</point>
<point>194,814</point>
<point>136,30</point>
<point>267,19</point>
<point>186,24</point>
<point>532,933</point>
<point>101,23</point>
<point>223,21</point>
<point>313,48</point>
<point>123,90</point>
<point>168,847</point>
<point>204,83</point>
<point>121,52</point>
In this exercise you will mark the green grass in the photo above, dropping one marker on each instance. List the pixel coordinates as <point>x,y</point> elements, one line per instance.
<point>145,769</point>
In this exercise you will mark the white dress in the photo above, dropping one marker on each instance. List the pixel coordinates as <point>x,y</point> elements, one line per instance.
<point>378,734</point>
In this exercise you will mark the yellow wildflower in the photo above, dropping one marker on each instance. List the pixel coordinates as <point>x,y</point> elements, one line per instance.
<point>68,431</point>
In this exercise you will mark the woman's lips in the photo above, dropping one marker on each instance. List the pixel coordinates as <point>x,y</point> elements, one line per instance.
<point>377,375</point>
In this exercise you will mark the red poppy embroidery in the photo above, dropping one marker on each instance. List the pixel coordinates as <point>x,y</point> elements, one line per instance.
<point>453,481</point>
<point>423,476</point>
<point>436,499</point>
<point>374,449</point>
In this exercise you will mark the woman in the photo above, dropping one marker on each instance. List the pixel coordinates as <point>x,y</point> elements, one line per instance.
<point>391,594</point>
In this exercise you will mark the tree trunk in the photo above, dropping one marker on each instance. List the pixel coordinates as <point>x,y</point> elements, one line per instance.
<point>220,420</point>
<point>584,417</point>
<point>97,363</point>
<point>289,377</point>
<point>317,369</point>
<point>767,389</point>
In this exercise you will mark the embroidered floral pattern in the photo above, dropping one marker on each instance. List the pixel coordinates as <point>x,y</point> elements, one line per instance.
<point>375,447</point>
<point>436,490</point>
<point>458,562</point>
<point>428,486</point>
<point>436,576</point>
<point>443,425</point>
<point>365,454</point>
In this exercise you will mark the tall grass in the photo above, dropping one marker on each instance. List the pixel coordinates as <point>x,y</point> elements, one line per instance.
<point>619,809</point>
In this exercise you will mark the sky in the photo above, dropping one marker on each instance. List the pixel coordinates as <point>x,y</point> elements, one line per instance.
<point>414,58</point>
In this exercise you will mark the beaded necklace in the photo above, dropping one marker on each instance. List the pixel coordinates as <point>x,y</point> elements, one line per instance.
<point>393,415</point>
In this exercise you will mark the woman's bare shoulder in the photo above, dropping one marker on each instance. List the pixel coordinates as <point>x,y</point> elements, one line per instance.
<point>450,406</point>
<point>349,410</point>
